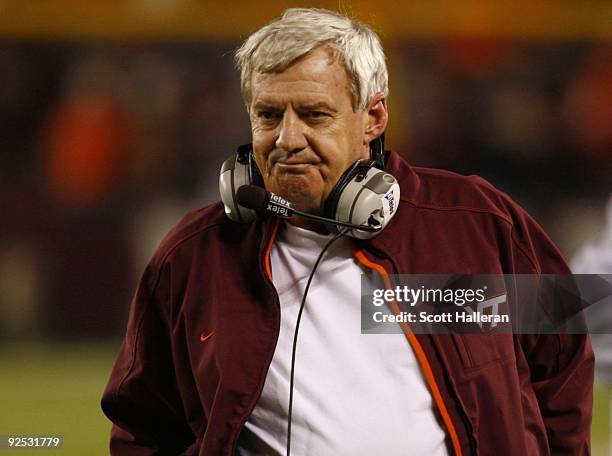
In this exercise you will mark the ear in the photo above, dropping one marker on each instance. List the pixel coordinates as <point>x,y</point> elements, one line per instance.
<point>377,117</point>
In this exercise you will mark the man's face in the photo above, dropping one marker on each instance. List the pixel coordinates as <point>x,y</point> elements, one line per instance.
<point>305,132</point>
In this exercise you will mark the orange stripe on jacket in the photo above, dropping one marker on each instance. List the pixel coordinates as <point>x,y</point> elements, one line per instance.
<point>267,262</point>
<point>418,351</point>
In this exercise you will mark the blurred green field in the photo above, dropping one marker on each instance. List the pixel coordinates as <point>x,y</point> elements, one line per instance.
<point>56,388</point>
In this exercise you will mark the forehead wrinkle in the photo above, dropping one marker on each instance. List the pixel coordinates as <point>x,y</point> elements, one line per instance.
<point>300,97</point>
<point>276,101</point>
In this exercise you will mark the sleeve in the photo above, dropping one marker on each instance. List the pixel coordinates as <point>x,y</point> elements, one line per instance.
<point>141,398</point>
<point>561,365</point>
<point>561,369</point>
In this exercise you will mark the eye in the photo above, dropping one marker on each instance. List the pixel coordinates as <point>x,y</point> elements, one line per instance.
<point>267,115</point>
<point>316,114</point>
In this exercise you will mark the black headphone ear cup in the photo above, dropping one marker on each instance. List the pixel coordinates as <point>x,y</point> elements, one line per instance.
<point>359,168</point>
<point>377,151</point>
<point>331,202</point>
<point>364,195</point>
<point>256,177</point>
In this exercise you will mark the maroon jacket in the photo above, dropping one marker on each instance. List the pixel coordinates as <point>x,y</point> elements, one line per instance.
<point>205,320</point>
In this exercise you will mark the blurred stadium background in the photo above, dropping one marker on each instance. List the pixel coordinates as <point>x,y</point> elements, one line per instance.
<point>116,115</point>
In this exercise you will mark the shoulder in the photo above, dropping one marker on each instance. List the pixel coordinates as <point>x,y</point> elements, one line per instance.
<point>431,189</point>
<point>194,223</point>
<point>203,240</point>
<point>471,202</point>
<point>196,231</point>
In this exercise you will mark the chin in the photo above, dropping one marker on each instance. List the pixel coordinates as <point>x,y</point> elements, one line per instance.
<point>301,196</point>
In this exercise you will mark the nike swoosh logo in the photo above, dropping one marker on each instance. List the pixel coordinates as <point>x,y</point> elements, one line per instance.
<point>204,338</point>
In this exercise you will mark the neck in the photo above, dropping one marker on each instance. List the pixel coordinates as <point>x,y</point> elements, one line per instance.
<point>310,225</point>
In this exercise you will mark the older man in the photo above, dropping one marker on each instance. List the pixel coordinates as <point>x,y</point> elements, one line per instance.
<point>208,364</point>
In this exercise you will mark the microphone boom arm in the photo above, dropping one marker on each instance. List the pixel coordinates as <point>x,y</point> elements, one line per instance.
<point>368,228</point>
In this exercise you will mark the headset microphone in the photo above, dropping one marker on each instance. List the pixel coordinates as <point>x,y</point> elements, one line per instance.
<point>264,202</point>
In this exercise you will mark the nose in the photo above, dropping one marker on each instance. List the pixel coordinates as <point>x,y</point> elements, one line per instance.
<point>291,136</point>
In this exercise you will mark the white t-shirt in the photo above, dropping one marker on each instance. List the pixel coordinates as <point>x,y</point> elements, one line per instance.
<point>354,394</point>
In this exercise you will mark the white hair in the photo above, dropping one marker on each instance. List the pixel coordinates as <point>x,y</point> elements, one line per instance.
<point>276,46</point>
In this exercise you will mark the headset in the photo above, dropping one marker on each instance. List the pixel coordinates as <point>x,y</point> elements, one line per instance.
<point>365,194</point>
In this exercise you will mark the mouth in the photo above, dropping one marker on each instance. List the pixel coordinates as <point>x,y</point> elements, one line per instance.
<point>293,161</point>
<point>293,167</point>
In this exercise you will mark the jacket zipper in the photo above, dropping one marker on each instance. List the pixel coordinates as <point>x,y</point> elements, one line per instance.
<point>266,271</point>
<point>419,353</point>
